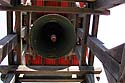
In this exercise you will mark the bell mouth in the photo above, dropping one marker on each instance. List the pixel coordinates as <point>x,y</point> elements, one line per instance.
<point>52,36</point>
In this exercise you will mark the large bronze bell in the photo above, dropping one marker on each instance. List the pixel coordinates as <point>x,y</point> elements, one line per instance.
<point>52,36</point>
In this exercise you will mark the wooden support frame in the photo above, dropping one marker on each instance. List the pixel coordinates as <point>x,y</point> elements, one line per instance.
<point>86,24</point>
<point>94,34</point>
<point>48,70</point>
<point>19,32</point>
<point>7,44</point>
<point>101,52</point>
<point>74,10</point>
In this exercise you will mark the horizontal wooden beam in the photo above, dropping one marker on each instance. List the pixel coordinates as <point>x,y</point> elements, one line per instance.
<point>106,4</point>
<point>49,80</point>
<point>46,70</point>
<point>7,44</point>
<point>74,10</point>
<point>101,52</point>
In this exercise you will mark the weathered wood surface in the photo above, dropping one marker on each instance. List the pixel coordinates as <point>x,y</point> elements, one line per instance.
<point>101,52</point>
<point>94,34</point>
<point>74,10</point>
<point>116,53</point>
<point>109,76</point>
<point>106,4</point>
<point>7,44</point>
<point>48,70</point>
<point>122,67</point>
<point>86,24</point>
<point>18,27</point>
<point>10,78</point>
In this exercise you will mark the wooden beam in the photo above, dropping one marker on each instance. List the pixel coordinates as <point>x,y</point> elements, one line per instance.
<point>106,4</point>
<point>86,24</point>
<point>19,32</point>
<point>31,79</point>
<point>101,52</point>
<point>28,24</point>
<point>46,70</point>
<point>94,34</point>
<point>109,76</point>
<point>74,10</point>
<point>10,31</point>
<point>7,44</point>
<point>116,52</point>
<point>10,78</point>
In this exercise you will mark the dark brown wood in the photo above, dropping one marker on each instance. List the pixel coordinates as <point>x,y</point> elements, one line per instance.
<point>28,24</point>
<point>9,22</point>
<point>10,78</point>
<point>7,44</point>
<point>9,31</point>
<point>74,10</point>
<point>106,4</point>
<point>101,52</point>
<point>93,33</point>
<point>86,24</point>
<point>18,27</point>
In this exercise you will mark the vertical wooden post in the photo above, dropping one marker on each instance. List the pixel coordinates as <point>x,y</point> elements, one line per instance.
<point>93,33</point>
<point>28,34</point>
<point>18,27</point>
<point>10,31</point>
<point>86,23</point>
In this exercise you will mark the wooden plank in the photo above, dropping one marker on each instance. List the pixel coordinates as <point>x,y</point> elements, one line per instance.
<point>86,24</point>
<point>7,44</point>
<point>93,33</point>
<point>106,4</point>
<point>49,80</point>
<point>74,10</point>
<point>101,52</point>
<point>19,32</point>
<point>48,70</point>
<point>10,78</point>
